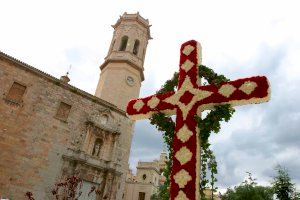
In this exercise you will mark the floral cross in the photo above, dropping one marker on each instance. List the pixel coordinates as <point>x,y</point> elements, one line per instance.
<point>189,100</point>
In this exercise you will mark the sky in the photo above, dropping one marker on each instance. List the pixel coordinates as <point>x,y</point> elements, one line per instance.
<point>239,39</point>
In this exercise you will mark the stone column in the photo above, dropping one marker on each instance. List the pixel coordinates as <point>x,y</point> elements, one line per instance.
<point>115,187</point>
<point>114,150</point>
<point>108,185</point>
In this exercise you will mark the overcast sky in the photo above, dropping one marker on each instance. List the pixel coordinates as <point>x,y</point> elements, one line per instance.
<point>239,39</point>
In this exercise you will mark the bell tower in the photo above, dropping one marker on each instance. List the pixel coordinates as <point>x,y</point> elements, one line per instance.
<point>122,71</point>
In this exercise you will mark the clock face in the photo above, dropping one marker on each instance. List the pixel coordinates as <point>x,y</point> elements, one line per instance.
<point>130,80</point>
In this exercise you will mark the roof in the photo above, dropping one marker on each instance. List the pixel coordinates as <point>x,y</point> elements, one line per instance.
<point>60,83</point>
<point>135,17</point>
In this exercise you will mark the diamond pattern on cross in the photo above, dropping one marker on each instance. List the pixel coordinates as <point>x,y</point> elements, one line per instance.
<point>153,102</point>
<point>187,86</point>
<point>187,65</point>
<point>138,105</point>
<point>248,87</point>
<point>181,196</point>
<point>188,49</point>
<point>182,178</point>
<point>226,90</point>
<point>184,134</point>
<point>184,155</point>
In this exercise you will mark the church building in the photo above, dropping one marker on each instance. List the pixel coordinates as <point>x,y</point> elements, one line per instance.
<point>50,130</point>
<point>147,180</point>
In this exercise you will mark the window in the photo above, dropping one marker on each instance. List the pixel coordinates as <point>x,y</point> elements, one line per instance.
<point>142,195</point>
<point>123,43</point>
<point>16,92</point>
<point>63,111</point>
<point>97,147</point>
<point>136,47</point>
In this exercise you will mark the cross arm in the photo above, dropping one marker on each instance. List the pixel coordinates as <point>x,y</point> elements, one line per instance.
<point>143,108</point>
<point>239,92</point>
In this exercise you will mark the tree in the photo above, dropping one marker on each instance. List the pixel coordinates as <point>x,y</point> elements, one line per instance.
<point>282,185</point>
<point>248,190</point>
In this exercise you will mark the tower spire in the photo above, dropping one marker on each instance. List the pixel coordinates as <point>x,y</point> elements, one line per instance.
<point>123,69</point>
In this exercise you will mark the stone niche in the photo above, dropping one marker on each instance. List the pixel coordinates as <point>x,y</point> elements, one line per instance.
<point>102,135</point>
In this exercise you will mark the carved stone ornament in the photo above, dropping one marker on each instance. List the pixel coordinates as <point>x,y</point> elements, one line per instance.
<point>103,119</point>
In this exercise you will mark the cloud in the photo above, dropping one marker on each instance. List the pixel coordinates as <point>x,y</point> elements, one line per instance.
<point>274,136</point>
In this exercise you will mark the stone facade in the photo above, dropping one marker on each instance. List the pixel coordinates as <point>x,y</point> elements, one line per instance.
<point>50,130</point>
<point>147,180</point>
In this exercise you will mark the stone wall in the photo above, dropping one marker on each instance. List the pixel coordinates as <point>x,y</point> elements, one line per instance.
<point>40,145</point>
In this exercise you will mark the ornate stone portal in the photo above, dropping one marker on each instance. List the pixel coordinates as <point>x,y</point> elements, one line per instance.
<point>96,163</point>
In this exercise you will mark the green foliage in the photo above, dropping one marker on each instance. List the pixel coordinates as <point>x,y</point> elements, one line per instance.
<point>282,185</point>
<point>249,190</point>
<point>296,196</point>
<point>169,85</point>
<point>207,125</point>
<point>212,166</point>
<point>211,76</point>
<point>155,197</point>
<point>161,194</point>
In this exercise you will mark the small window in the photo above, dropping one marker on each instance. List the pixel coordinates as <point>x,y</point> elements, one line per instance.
<point>123,43</point>
<point>16,92</point>
<point>142,195</point>
<point>136,47</point>
<point>63,111</point>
